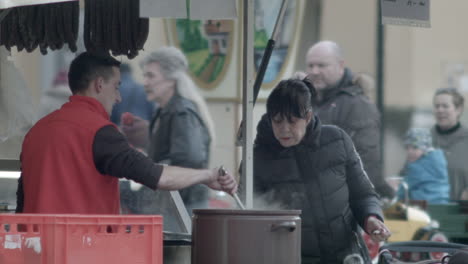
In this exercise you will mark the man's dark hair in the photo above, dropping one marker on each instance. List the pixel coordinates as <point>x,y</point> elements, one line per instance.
<point>88,66</point>
<point>290,98</point>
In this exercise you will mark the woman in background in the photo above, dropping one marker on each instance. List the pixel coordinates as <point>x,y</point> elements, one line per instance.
<point>182,130</point>
<point>449,135</point>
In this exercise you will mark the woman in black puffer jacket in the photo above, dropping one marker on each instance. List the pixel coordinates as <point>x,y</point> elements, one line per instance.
<point>315,168</point>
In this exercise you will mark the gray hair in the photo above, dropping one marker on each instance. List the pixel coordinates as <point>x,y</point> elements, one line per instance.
<point>170,59</point>
<point>174,65</point>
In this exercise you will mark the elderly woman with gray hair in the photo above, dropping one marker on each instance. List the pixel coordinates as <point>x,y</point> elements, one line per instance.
<point>181,131</point>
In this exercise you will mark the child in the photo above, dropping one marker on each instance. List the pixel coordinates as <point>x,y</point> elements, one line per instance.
<point>425,170</point>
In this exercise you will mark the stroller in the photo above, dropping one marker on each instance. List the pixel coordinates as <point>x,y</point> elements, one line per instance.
<point>390,253</point>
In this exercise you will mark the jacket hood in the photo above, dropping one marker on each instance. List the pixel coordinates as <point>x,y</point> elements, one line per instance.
<point>366,82</point>
<point>265,135</point>
<point>352,84</point>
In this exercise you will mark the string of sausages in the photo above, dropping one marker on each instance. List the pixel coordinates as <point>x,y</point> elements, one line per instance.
<point>114,25</point>
<point>44,26</point>
<point>109,25</point>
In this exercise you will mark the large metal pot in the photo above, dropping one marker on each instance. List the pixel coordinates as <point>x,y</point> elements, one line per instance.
<point>246,236</point>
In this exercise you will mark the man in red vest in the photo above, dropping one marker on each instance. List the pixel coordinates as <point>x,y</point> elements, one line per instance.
<point>72,159</point>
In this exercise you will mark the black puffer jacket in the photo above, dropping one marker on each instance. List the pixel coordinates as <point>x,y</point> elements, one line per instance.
<point>322,176</point>
<point>349,108</point>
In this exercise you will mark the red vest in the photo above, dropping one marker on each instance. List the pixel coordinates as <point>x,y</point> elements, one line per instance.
<point>59,175</point>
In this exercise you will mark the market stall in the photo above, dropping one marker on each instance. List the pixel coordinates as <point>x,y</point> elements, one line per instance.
<point>115,27</point>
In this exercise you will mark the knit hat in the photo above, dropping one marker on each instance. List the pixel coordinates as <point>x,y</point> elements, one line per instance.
<point>419,138</point>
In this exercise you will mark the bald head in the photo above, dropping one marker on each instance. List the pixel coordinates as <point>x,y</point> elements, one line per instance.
<point>329,47</point>
<point>325,64</point>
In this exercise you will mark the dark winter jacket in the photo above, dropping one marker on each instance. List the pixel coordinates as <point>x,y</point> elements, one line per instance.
<point>323,177</point>
<point>179,137</point>
<point>349,108</point>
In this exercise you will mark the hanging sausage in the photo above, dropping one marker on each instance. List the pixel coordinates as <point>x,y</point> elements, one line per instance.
<point>114,25</point>
<point>44,26</point>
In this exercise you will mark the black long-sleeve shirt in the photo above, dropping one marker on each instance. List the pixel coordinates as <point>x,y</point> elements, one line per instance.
<point>115,157</point>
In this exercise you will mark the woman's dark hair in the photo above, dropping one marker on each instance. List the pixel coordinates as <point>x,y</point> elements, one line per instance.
<point>457,97</point>
<point>290,98</point>
<point>88,66</point>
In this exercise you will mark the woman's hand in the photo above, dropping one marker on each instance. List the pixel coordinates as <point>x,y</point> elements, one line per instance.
<point>376,229</point>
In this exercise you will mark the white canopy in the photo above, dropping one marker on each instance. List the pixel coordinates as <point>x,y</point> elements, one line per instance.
<point>199,9</point>
<point>14,3</point>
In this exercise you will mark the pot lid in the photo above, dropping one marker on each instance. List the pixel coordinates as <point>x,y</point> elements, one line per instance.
<point>245,212</point>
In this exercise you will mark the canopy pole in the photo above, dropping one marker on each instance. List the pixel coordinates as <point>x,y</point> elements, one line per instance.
<point>246,135</point>
<point>249,96</point>
<point>269,50</point>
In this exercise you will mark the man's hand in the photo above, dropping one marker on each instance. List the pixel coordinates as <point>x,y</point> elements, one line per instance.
<point>222,181</point>
<point>376,229</point>
<point>135,129</point>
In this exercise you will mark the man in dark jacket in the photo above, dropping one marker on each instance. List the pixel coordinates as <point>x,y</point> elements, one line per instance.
<point>302,164</point>
<point>342,101</point>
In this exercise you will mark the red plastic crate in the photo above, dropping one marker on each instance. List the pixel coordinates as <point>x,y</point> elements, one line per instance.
<point>78,239</point>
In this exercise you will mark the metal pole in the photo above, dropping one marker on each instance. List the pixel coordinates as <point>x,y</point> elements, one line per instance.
<point>247,101</point>
<point>269,50</point>
<point>183,214</point>
<point>380,54</point>
<point>279,20</point>
<point>263,64</point>
<point>245,133</point>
